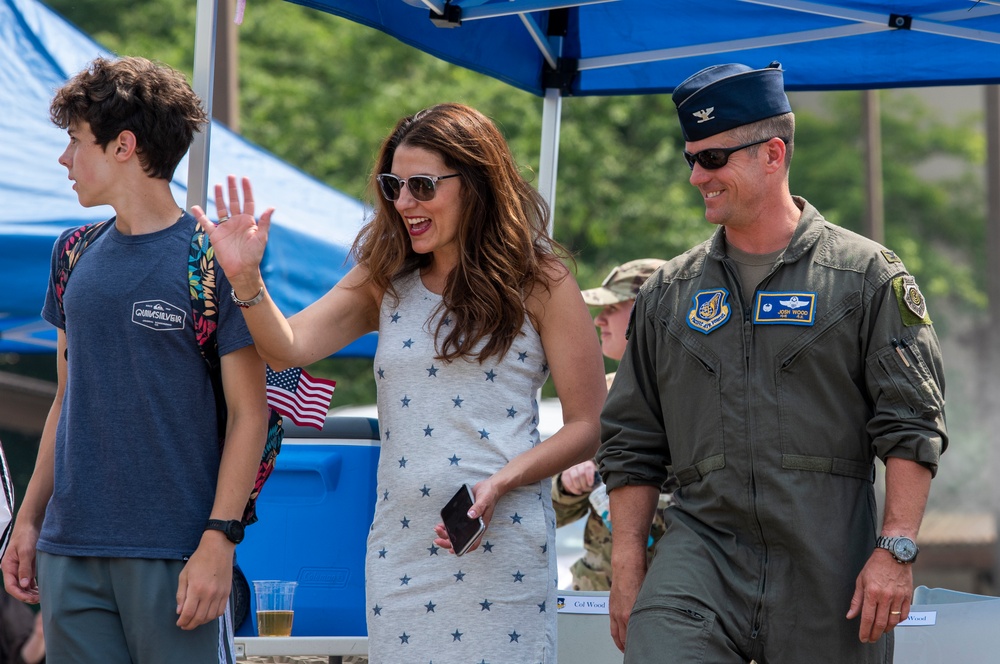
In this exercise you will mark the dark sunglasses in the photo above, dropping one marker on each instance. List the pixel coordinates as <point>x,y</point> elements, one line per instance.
<point>715,158</point>
<point>422,187</point>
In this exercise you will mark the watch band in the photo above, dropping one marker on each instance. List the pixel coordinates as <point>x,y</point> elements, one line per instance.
<point>233,530</point>
<point>246,304</point>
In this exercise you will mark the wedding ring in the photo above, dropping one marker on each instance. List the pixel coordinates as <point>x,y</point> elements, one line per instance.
<point>222,219</point>
<point>895,613</point>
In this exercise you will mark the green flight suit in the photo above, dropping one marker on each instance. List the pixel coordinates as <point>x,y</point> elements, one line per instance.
<point>771,414</point>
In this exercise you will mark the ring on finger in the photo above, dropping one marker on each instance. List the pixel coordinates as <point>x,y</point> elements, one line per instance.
<point>895,613</point>
<point>223,218</point>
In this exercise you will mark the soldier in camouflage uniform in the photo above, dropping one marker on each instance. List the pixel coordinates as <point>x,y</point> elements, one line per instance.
<point>572,488</point>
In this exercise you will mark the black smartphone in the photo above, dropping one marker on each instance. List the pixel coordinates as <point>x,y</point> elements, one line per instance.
<point>462,531</point>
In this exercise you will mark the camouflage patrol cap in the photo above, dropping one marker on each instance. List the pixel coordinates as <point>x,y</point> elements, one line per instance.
<point>623,283</point>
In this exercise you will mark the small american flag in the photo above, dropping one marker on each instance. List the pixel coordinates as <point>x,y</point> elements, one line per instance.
<point>300,397</point>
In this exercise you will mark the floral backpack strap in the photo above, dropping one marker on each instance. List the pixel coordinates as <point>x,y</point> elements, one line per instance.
<point>205,318</point>
<point>69,254</point>
<point>204,303</point>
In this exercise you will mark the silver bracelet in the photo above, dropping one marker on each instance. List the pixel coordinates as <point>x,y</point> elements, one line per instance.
<point>246,304</point>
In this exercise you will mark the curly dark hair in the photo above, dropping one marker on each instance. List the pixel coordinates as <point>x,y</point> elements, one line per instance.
<point>505,245</point>
<point>151,100</point>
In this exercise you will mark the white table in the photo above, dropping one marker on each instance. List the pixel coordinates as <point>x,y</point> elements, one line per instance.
<point>584,636</point>
<point>334,647</point>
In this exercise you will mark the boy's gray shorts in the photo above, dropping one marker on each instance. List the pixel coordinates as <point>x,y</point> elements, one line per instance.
<point>122,611</point>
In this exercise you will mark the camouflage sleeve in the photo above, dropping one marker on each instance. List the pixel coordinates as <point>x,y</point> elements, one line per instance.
<point>569,508</point>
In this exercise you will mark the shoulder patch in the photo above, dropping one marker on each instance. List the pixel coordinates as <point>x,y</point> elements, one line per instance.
<point>890,256</point>
<point>912,306</point>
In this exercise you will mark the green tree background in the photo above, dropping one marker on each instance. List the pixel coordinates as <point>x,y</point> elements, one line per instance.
<point>321,92</point>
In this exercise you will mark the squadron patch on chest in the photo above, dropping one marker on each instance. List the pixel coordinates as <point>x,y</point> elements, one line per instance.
<point>912,305</point>
<point>785,309</point>
<point>709,310</point>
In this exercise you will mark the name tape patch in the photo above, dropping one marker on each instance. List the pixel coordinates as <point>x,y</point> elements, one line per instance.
<point>785,309</point>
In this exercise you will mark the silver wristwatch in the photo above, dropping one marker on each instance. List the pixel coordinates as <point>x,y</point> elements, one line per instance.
<point>903,549</point>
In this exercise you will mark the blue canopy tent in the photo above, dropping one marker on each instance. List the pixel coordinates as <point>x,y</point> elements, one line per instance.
<point>559,48</point>
<point>313,227</point>
<point>615,47</point>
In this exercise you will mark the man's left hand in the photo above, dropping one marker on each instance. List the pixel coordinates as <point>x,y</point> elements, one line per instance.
<point>882,595</point>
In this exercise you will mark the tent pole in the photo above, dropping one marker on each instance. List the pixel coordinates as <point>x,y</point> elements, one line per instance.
<point>204,80</point>
<point>992,94</point>
<point>988,341</point>
<point>871,123</point>
<point>226,91</point>
<point>548,162</point>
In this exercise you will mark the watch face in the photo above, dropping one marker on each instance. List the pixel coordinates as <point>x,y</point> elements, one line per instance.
<point>904,549</point>
<point>235,532</point>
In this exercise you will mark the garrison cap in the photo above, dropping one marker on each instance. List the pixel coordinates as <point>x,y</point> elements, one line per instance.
<point>721,97</point>
<point>623,283</point>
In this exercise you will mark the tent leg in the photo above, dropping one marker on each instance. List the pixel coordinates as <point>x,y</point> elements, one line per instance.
<point>871,122</point>
<point>204,81</point>
<point>990,338</point>
<point>992,99</point>
<point>548,162</point>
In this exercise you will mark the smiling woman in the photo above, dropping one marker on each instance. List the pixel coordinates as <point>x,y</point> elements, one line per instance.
<point>474,310</point>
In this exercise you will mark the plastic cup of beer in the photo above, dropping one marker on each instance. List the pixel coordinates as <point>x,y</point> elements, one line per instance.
<point>274,607</point>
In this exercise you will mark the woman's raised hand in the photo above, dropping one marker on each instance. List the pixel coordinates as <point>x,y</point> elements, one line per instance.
<point>238,238</point>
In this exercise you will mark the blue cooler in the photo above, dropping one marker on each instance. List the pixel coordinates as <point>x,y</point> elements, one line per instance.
<point>314,514</point>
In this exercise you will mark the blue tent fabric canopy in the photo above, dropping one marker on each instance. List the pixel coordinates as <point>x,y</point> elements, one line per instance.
<point>616,47</point>
<point>312,229</point>
<point>564,48</point>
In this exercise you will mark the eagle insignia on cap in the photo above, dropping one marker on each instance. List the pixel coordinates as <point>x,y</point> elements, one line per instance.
<point>705,114</point>
<point>709,310</point>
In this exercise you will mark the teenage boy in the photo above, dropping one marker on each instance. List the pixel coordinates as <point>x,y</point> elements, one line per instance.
<point>115,523</point>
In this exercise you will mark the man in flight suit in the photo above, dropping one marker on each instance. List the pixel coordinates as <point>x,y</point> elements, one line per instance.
<point>768,366</point>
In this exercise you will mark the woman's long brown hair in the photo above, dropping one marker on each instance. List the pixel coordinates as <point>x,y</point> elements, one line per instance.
<point>505,246</point>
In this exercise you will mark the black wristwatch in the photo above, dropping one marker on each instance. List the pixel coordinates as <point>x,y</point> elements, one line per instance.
<point>232,529</point>
<point>903,549</point>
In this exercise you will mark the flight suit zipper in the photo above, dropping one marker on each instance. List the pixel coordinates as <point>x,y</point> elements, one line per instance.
<point>748,334</point>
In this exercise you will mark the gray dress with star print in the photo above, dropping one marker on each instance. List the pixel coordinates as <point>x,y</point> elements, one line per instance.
<point>443,424</point>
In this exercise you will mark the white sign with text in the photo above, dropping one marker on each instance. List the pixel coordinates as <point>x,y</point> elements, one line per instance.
<point>595,604</point>
<point>919,619</point>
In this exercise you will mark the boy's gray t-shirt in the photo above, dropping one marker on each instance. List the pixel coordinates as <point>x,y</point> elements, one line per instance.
<point>137,449</point>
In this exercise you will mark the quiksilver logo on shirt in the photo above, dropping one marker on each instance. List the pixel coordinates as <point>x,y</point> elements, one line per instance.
<point>158,315</point>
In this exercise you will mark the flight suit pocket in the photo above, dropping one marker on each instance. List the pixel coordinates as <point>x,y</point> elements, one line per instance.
<point>691,375</point>
<point>906,384</point>
<point>688,632</point>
